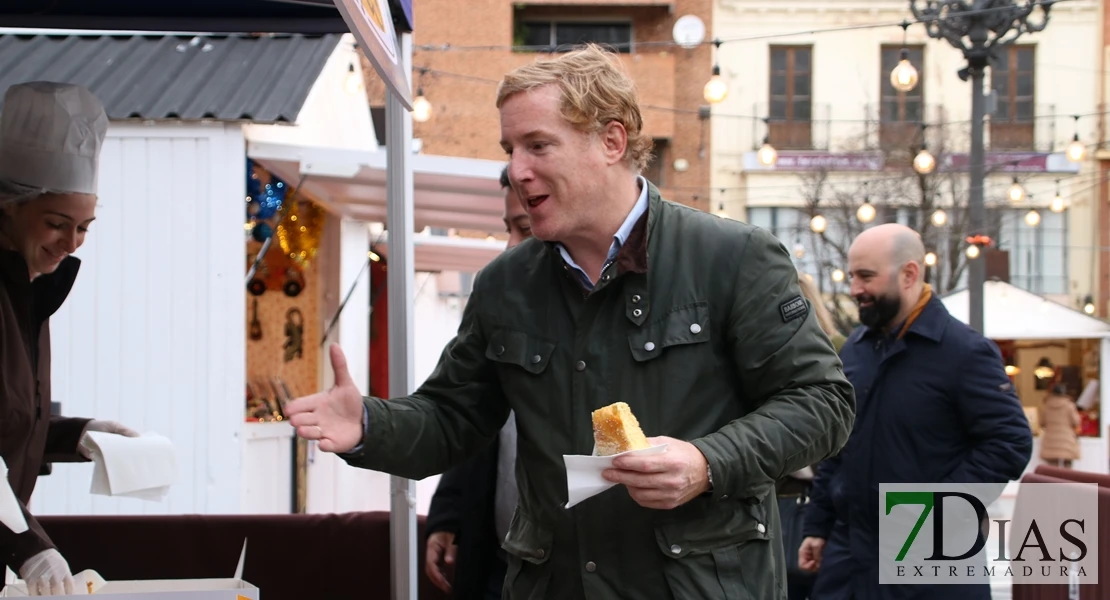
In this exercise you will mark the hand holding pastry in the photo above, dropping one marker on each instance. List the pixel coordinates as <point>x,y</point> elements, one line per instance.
<point>662,481</point>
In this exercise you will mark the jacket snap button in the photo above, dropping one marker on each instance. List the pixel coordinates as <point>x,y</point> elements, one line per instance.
<point>676,549</point>
<point>580,365</point>
<point>636,299</point>
<point>637,312</point>
<point>760,528</point>
<point>649,346</point>
<point>695,329</point>
<point>591,567</point>
<point>500,350</point>
<point>536,359</point>
<point>540,553</point>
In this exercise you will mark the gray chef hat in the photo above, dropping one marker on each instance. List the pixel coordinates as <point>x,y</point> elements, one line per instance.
<point>50,137</point>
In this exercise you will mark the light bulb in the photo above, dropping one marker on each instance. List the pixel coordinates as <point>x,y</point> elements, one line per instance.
<point>837,275</point>
<point>1057,204</point>
<point>352,83</point>
<point>421,108</point>
<point>924,162</point>
<point>818,224</point>
<point>1076,151</point>
<point>930,258</point>
<point>973,251</point>
<point>799,251</point>
<point>767,154</point>
<point>866,212</point>
<point>1089,308</point>
<point>1016,193</point>
<point>720,212</point>
<point>716,89</point>
<point>1032,218</point>
<point>904,76</point>
<point>940,218</point>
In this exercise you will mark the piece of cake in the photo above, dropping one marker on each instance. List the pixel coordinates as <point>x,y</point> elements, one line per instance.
<point>616,430</point>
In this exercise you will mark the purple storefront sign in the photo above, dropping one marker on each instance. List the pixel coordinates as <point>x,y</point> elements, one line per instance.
<point>829,161</point>
<point>1001,162</point>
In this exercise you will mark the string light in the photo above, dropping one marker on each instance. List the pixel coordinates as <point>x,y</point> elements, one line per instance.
<point>1076,151</point>
<point>866,212</point>
<point>818,224</point>
<point>716,89</point>
<point>837,275</point>
<point>721,212</point>
<point>1032,218</point>
<point>940,217</point>
<point>1016,193</point>
<point>973,251</point>
<point>924,162</point>
<point>799,250</point>
<point>904,76</point>
<point>421,108</point>
<point>930,259</point>
<point>1057,205</point>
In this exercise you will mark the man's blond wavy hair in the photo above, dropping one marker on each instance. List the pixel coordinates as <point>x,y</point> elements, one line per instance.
<point>595,91</point>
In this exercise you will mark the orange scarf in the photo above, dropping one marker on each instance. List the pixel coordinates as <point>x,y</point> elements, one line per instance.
<point>918,308</point>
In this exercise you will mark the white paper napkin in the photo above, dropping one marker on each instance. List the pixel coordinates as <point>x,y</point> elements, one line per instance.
<point>144,467</point>
<point>584,473</point>
<point>11,515</point>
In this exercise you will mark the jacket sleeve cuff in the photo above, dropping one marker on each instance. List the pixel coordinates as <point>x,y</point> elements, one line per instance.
<point>724,479</point>
<point>62,437</point>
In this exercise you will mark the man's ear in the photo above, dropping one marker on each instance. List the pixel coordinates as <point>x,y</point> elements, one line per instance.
<point>614,139</point>
<point>911,271</point>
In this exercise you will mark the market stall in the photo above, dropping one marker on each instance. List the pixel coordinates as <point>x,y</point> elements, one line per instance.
<point>1043,343</point>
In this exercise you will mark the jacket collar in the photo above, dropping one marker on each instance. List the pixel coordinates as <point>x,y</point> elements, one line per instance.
<point>49,291</point>
<point>929,325</point>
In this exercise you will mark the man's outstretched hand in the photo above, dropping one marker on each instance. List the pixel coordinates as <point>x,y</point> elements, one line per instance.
<point>334,417</point>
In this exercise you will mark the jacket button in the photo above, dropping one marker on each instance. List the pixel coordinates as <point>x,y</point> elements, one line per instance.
<point>500,350</point>
<point>637,312</point>
<point>676,549</point>
<point>591,567</point>
<point>536,359</point>
<point>649,346</point>
<point>635,298</point>
<point>695,329</point>
<point>580,365</point>
<point>724,496</point>
<point>540,553</point>
<point>760,528</point>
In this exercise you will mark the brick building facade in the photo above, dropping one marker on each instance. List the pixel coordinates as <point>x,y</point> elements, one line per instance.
<point>462,49</point>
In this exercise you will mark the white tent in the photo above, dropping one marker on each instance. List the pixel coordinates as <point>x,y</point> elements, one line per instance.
<point>1011,313</point>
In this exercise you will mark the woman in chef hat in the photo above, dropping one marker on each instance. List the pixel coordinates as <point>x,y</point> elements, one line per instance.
<point>50,140</point>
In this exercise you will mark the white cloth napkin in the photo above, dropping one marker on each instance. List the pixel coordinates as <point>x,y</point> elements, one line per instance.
<point>11,515</point>
<point>584,473</point>
<point>144,467</point>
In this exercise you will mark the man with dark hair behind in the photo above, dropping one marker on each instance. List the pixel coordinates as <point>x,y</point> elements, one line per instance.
<point>474,502</point>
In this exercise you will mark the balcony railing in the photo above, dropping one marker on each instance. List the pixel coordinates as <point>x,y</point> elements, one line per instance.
<point>793,133</point>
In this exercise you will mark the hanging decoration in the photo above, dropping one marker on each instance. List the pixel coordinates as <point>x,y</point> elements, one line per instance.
<point>265,197</point>
<point>299,232</point>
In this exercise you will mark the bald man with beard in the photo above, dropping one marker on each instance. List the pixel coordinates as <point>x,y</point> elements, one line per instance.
<point>934,406</point>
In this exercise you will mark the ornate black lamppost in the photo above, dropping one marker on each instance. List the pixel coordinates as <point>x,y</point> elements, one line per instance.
<point>978,28</point>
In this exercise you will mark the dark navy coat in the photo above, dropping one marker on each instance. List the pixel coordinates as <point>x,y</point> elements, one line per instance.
<point>935,406</point>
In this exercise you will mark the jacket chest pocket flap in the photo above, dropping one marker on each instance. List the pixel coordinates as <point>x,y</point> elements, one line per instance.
<point>511,347</point>
<point>680,326</point>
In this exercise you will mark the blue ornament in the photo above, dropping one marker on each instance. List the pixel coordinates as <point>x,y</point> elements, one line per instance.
<point>266,198</point>
<point>261,232</point>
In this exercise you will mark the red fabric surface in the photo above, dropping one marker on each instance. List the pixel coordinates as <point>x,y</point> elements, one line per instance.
<point>1101,591</point>
<point>289,557</point>
<point>1073,475</point>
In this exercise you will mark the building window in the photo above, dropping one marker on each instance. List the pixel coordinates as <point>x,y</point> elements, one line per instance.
<point>1012,78</point>
<point>1038,255</point>
<point>791,102</point>
<point>562,36</point>
<point>901,113</point>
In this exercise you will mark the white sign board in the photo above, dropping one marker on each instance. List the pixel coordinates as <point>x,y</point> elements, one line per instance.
<point>372,25</point>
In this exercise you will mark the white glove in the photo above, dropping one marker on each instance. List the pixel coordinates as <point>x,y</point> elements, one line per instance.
<point>47,574</point>
<point>105,427</point>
